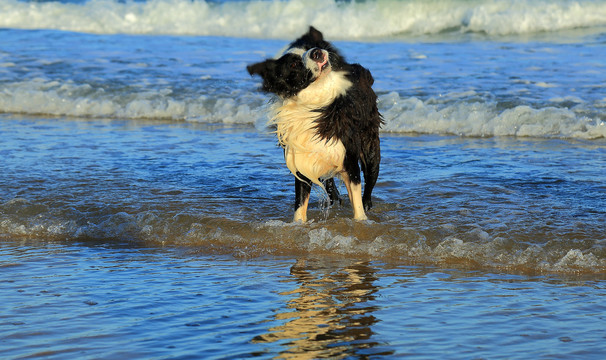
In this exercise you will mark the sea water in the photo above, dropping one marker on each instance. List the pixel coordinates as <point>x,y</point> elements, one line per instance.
<point>145,208</point>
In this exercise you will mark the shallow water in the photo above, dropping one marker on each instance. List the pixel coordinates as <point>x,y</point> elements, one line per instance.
<point>521,204</point>
<point>118,301</point>
<point>145,207</point>
<point>148,239</point>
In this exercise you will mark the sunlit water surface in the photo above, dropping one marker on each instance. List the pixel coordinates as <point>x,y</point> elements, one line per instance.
<point>145,208</point>
<point>124,302</point>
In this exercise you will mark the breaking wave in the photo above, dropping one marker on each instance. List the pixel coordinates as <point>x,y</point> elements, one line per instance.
<point>486,119</point>
<point>382,241</point>
<point>286,19</point>
<point>55,98</point>
<point>402,114</point>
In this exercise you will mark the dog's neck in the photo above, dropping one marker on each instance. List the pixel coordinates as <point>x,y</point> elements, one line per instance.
<point>295,116</point>
<point>323,91</point>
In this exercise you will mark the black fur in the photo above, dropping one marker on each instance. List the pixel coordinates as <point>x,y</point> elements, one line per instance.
<point>355,120</point>
<point>284,76</point>
<point>352,118</point>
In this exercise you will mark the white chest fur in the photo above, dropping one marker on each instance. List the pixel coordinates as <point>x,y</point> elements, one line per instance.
<point>305,152</point>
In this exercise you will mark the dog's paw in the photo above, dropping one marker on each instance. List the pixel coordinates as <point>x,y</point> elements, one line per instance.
<point>367,204</point>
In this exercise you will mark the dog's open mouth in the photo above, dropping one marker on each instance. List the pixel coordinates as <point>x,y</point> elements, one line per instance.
<point>320,58</point>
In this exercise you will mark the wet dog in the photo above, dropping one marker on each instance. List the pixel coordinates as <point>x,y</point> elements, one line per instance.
<point>326,120</point>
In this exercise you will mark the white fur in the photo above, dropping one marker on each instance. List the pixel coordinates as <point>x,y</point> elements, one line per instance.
<point>301,212</point>
<point>296,51</point>
<point>355,197</point>
<point>288,50</point>
<point>304,150</point>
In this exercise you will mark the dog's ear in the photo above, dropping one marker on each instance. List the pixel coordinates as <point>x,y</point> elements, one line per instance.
<point>315,34</point>
<point>260,68</point>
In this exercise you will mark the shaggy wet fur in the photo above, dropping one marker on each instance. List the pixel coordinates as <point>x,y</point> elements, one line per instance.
<point>326,119</point>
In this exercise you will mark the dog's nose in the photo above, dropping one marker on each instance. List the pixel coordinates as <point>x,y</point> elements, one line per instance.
<point>317,55</point>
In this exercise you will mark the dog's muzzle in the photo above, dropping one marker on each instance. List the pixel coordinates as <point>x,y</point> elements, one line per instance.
<point>316,60</point>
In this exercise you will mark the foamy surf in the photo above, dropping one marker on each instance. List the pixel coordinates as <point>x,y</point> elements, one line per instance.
<point>402,114</point>
<point>475,88</point>
<point>377,241</point>
<point>340,20</point>
<point>413,115</point>
<point>55,98</point>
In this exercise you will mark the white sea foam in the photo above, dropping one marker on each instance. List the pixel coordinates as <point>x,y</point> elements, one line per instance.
<point>402,115</point>
<point>286,19</point>
<point>44,97</point>
<point>381,241</point>
<point>485,119</point>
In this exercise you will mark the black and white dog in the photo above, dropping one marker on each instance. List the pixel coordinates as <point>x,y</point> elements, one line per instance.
<point>326,119</point>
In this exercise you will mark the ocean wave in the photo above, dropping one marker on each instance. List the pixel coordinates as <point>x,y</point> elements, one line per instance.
<point>56,98</point>
<point>402,114</point>
<point>286,19</point>
<point>381,241</point>
<point>474,118</point>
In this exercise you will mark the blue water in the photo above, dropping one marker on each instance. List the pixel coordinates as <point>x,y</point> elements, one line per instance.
<point>125,302</point>
<point>141,189</point>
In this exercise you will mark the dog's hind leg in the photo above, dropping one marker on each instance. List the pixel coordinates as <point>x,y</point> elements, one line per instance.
<point>354,189</point>
<point>370,160</point>
<point>353,183</point>
<point>302,191</point>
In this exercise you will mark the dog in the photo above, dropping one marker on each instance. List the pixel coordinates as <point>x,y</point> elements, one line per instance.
<point>326,120</point>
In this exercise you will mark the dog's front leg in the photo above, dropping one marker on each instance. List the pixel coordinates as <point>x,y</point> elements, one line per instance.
<point>302,191</point>
<point>331,189</point>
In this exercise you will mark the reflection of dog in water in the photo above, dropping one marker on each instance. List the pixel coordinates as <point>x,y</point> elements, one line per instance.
<point>326,120</point>
<point>326,316</point>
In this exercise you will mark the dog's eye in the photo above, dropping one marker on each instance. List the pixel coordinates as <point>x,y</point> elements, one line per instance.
<point>293,65</point>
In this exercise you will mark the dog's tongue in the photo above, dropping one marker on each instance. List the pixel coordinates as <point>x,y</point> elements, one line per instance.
<point>321,64</point>
<point>318,56</point>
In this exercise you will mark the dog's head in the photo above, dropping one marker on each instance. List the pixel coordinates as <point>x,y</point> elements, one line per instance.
<point>305,60</point>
